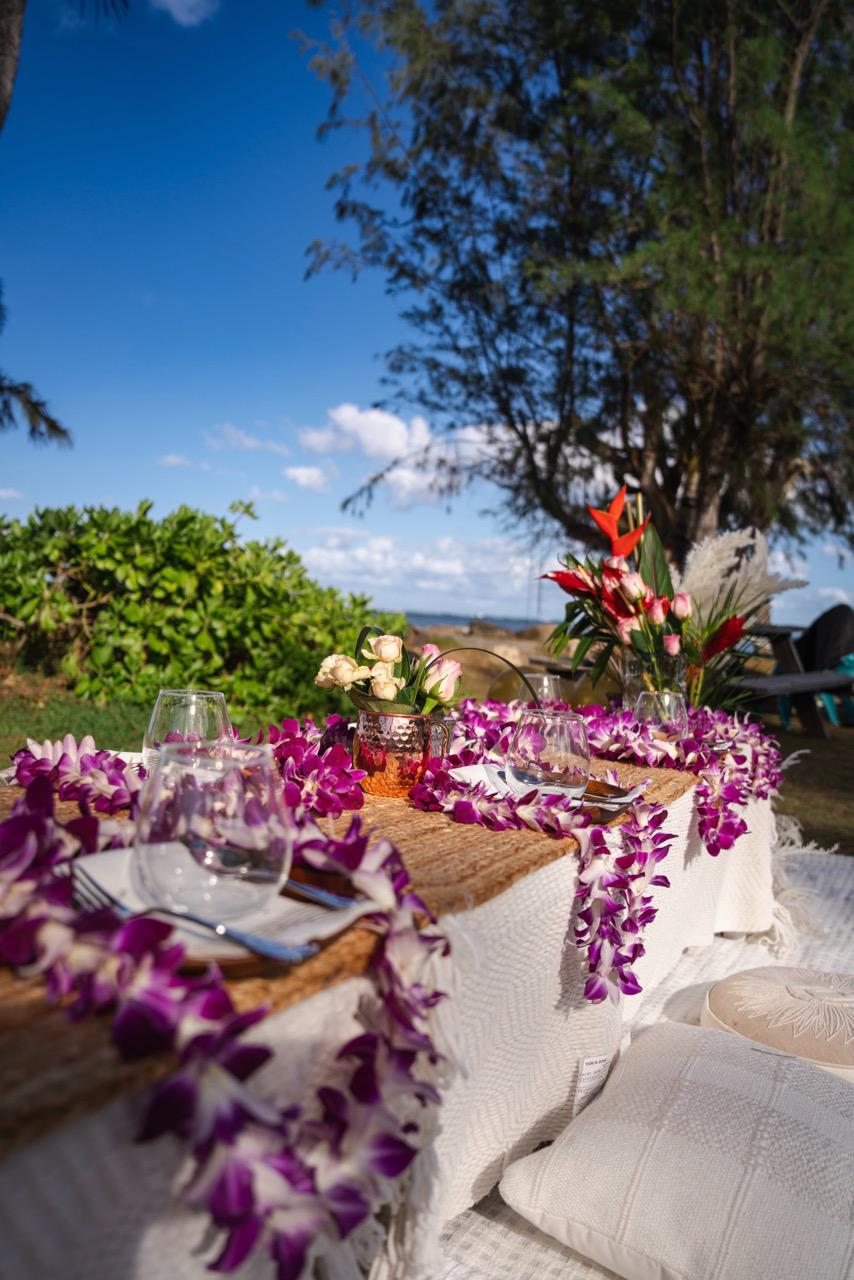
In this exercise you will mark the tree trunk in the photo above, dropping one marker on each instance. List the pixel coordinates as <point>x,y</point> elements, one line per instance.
<point>11,26</point>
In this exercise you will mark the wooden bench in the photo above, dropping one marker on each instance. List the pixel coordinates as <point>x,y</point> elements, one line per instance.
<point>791,679</point>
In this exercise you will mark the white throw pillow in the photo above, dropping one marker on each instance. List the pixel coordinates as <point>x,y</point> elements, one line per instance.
<point>705,1157</point>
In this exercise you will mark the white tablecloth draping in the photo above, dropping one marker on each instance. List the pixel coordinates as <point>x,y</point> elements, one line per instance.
<point>85,1203</point>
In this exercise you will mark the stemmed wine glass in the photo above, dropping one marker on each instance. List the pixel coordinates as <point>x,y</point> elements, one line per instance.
<point>185,715</point>
<point>549,750</point>
<point>212,835</point>
<point>665,710</point>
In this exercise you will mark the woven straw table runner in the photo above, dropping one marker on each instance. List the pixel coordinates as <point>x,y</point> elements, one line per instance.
<point>53,1071</point>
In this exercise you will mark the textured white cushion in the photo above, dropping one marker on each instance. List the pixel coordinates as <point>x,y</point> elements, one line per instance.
<point>705,1157</point>
<point>808,1012</point>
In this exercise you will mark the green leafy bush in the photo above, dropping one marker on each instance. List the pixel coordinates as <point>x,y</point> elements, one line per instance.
<point>123,605</point>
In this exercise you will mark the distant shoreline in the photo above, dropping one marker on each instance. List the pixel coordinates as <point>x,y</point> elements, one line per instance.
<point>432,620</point>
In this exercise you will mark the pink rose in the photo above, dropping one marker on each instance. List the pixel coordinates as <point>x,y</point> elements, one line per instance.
<point>682,605</point>
<point>430,651</point>
<point>625,627</point>
<point>658,610</point>
<point>442,681</point>
<point>617,564</point>
<point>672,645</point>
<point>633,586</point>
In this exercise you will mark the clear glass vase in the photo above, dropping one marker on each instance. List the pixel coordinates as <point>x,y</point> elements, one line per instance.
<point>653,673</point>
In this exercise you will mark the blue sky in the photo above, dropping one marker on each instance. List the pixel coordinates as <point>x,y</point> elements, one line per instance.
<point>161,181</point>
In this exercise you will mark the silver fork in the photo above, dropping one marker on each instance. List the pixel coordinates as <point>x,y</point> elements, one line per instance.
<point>320,897</point>
<point>92,896</point>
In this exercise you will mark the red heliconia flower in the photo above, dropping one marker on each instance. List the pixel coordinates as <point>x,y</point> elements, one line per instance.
<point>728,633</point>
<point>622,544</point>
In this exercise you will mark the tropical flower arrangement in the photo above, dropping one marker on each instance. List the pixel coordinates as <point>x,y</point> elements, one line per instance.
<point>633,607</point>
<point>383,676</point>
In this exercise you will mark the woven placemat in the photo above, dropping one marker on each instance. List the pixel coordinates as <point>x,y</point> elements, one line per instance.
<point>53,1071</point>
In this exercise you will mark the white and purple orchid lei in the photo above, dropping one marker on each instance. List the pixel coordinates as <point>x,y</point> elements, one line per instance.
<point>297,1179</point>
<point>617,864</point>
<point>733,759</point>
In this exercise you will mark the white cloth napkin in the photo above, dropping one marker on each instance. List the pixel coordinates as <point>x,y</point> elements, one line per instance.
<point>282,919</point>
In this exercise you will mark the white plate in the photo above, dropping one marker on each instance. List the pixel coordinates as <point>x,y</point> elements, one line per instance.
<point>282,919</point>
<point>496,779</point>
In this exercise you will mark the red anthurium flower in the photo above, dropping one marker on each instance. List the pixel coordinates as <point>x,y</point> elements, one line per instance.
<point>621,544</point>
<point>574,581</point>
<point>728,633</point>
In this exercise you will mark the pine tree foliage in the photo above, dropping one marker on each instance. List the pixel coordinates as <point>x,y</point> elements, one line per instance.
<point>622,237</point>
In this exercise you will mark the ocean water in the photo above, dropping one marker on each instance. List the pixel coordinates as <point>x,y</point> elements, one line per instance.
<point>432,620</point>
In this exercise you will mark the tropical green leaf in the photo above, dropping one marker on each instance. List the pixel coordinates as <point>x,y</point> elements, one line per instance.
<point>653,563</point>
<point>363,635</point>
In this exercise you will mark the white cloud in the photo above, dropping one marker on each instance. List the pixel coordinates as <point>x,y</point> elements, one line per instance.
<point>374,432</point>
<point>175,460</point>
<point>323,440</point>
<point>229,437</point>
<point>268,495</point>
<point>381,437</point>
<point>378,433</point>
<point>837,594</point>
<point>187,13</point>
<point>464,575</point>
<point>307,477</point>
<point>10,495</point>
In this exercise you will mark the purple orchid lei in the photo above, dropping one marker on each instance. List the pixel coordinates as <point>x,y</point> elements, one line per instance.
<point>297,1179</point>
<point>732,758</point>
<point>80,772</point>
<point>617,864</point>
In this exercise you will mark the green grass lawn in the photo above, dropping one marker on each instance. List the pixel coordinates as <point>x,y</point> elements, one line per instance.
<point>40,708</point>
<point>818,789</point>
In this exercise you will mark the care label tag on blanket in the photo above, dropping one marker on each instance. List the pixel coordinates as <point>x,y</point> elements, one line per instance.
<point>591,1077</point>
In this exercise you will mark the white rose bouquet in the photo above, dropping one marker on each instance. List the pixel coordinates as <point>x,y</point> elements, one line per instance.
<point>384,676</point>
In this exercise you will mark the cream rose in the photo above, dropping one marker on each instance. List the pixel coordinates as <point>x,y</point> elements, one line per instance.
<point>385,648</point>
<point>339,670</point>
<point>384,683</point>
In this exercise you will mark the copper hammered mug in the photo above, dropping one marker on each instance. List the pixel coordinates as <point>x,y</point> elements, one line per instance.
<point>394,750</point>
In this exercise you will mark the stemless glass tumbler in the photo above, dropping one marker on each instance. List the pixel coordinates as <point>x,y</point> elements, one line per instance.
<point>212,835</point>
<point>665,710</point>
<point>185,715</point>
<point>549,751</point>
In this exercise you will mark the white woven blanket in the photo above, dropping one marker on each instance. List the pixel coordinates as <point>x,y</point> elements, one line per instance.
<point>515,1021</point>
<point>490,1241</point>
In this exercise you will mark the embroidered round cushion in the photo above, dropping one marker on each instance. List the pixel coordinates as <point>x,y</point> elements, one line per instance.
<point>800,1011</point>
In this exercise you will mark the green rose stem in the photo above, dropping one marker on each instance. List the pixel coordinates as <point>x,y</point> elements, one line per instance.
<point>473,648</point>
